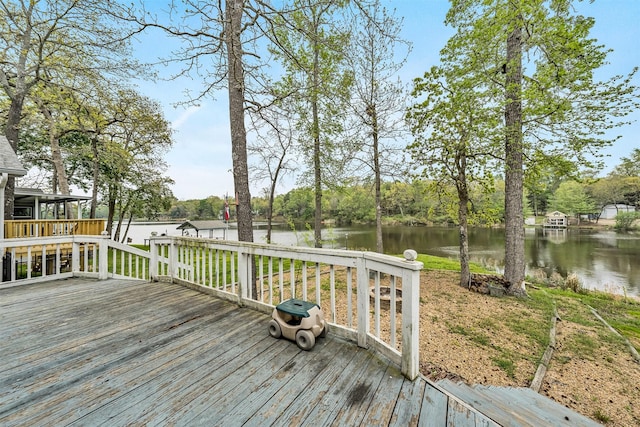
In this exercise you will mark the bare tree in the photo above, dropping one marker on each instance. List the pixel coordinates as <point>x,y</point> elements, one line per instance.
<point>275,138</point>
<point>311,46</point>
<point>379,99</point>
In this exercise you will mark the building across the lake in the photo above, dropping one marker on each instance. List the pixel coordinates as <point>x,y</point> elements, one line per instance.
<point>556,219</point>
<point>612,211</point>
<point>200,227</point>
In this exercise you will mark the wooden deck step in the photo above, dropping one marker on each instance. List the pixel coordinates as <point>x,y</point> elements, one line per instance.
<point>516,407</point>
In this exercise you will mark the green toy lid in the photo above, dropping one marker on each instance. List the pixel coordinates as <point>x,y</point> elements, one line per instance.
<point>296,307</point>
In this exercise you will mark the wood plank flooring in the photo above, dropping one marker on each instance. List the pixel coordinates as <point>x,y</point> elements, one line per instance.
<point>84,353</point>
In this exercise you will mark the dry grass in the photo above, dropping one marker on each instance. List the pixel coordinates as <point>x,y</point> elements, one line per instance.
<point>499,341</point>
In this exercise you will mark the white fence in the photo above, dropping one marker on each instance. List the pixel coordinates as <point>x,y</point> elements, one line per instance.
<point>370,298</point>
<point>29,260</point>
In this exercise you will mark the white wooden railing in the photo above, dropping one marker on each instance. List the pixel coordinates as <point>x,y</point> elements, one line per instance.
<point>346,284</point>
<point>29,260</point>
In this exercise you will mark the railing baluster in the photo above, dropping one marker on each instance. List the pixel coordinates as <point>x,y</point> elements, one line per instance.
<point>376,309</point>
<point>260,277</point>
<point>270,280</point>
<point>210,264</point>
<point>304,280</point>
<point>392,312</point>
<point>232,255</point>
<point>224,270</point>
<point>349,297</point>
<point>292,276</point>
<point>332,279</point>
<point>318,286</point>
<point>29,262</point>
<point>281,278</point>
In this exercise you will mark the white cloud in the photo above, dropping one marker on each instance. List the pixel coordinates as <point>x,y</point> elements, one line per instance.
<point>186,114</point>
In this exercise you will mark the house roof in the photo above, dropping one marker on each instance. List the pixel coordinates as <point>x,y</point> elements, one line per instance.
<point>29,195</point>
<point>556,213</point>
<point>9,162</point>
<point>203,225</point>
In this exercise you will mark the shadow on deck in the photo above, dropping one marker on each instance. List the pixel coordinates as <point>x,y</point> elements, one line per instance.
<point>85,352</point>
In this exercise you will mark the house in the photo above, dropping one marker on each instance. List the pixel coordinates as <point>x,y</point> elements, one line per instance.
<point>9,166</point>
<point>556,219</point>
<point>33,203</point>
<point>36,213</point>
<point>612,210</point>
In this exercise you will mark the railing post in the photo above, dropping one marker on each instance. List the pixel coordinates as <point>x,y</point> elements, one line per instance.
<point>411,316</point>
<point>362,279</point>
<point>243,276</point>
<point>75,256</point>
<point>153,260</point>
<point>173,259</point>
<point>103,257</point>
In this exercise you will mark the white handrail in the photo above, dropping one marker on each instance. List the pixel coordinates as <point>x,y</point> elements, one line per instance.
<point>229,268</point>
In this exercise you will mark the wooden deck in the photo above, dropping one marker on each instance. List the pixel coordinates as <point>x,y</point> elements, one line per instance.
<point>85,352</point>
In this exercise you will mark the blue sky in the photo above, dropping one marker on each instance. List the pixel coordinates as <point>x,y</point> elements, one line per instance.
<point>200,160</point>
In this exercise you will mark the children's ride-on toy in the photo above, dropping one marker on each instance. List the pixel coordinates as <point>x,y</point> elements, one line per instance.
<point>299,321</point>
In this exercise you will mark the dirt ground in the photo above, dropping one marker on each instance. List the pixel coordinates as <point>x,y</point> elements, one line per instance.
<point>475,338</point>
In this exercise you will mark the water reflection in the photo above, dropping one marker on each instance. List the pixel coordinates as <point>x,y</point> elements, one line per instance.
<point>602,259</point>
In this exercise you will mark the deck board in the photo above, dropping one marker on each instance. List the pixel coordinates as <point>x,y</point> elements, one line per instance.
<point>87,352</point>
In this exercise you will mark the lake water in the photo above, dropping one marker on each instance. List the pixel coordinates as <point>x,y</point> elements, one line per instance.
<point>603,260</point>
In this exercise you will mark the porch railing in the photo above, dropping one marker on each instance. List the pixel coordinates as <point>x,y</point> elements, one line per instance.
<point>369,298</point>
<point>53,227</point>
<point>358,291</point>
<point>29,260</point>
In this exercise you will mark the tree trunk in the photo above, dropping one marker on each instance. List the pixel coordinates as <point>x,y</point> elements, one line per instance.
<point>96,177</point>
<point>235,75</point>
<point>111,204</point>
<point>316,148</point>
<point>514,176</point>
<point>17,94</point>
<point>377,177</point>
<point>272,194</point>
<point>12,133</point>
<point>234,11</point>
<point>62,183</point>
<point>463,210</point>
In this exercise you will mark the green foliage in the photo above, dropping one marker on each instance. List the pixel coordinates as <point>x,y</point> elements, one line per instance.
<point>297,204</point>
<point>356,205</point>
<point>571,198</point>
<point>601,416</point>
<point>625,221</point>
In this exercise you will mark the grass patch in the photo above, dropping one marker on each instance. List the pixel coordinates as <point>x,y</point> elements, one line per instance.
<point>437,263</point>
<point>601,416</point>
<point>473,335</point>
<point>506,365</point>
<point>583,345</point>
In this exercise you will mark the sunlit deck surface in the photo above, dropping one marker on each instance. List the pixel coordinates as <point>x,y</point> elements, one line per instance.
<point>85,352</point>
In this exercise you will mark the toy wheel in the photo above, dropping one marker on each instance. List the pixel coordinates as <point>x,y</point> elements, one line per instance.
<point>305,339</point>
<point>325,330</point>
<point>274,329</point>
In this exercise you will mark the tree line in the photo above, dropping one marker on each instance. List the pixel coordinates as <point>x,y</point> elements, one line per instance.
<point>513,106</point>
<point>424,202</point>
